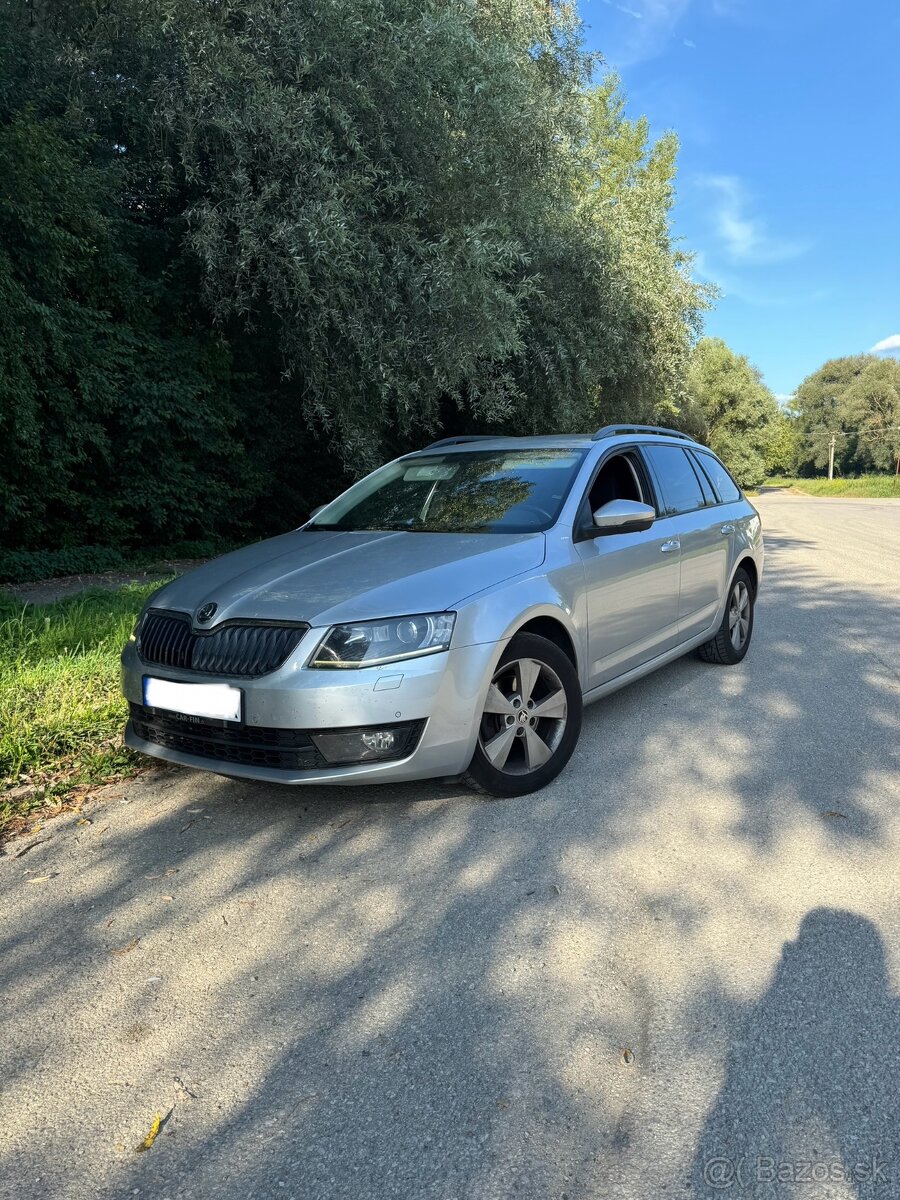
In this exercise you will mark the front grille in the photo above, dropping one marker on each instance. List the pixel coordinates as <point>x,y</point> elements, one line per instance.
<point>239,648</point>
<point>246,744</point>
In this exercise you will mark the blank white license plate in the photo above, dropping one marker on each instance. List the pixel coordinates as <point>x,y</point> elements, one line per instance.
<point>219,701</point>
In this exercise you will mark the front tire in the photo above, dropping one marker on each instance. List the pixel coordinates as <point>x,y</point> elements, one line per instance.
<point>531,719</point>
<point>732,641</point>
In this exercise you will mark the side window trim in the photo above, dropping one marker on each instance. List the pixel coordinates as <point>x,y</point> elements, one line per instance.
<point>645,479</point>
<point>710,499</point>
<point>660,504</point>
<point>698,456</point>
<point>635,477</point>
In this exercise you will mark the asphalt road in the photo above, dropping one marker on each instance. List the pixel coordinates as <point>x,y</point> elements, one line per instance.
<point>675,972</point>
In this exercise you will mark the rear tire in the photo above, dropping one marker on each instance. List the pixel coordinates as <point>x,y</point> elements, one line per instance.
<point>531,720</point>
<point>732,641</point>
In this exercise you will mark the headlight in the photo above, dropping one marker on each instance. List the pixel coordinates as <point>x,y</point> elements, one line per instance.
<point>372,643</point>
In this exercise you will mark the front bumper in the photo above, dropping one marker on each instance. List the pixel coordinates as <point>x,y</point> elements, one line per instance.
<point>444,690</point>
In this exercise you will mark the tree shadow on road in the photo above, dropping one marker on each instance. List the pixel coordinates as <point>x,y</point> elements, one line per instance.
<point>380,993</point>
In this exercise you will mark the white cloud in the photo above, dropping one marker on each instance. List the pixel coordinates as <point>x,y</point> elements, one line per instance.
<point>658,22</point>
<point>650,27</point>
<point>742,237</point>
<point>889,345</point>
<point>784,398</point>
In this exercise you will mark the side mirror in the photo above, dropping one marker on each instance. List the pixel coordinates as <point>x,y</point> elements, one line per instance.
<point>315,512</point>
<point>623,516</point>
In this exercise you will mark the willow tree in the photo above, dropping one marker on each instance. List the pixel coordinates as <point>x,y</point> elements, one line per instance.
<point>652,309</point>
<point>436,207</point>
<point>373,176</point>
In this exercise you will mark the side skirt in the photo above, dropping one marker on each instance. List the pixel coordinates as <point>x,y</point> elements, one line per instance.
<point>652,664</point>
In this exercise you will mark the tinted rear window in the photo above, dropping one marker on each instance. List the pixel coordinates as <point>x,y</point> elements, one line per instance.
<point>678,480</point>
<point>726,489</point>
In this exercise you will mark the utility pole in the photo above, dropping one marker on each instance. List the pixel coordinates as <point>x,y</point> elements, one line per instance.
<point>833,442</point>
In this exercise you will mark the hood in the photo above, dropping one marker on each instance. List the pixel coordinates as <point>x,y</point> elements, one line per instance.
<point>327,577</point>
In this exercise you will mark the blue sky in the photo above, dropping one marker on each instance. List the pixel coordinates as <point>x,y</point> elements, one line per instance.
<point>788,113</point>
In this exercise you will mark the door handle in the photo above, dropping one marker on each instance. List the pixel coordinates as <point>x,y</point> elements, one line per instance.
<point>668,547</point>
<point>727,529</point>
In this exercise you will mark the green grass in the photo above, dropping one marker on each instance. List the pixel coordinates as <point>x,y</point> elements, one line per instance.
<point>61,712</point>
<point>872,486</point>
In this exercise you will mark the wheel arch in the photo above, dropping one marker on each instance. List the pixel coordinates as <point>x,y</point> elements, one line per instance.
<point>553,630</point>
<point>749,565</point>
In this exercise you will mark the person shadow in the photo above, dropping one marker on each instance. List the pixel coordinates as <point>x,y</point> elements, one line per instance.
<point>810,1105</point>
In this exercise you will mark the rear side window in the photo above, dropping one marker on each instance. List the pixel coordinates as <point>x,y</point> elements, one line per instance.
<point>726,489</point>
<point>709,496</point>
<point>681,491</point>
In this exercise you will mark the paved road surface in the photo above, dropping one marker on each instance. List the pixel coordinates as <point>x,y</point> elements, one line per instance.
<point>423,994</point>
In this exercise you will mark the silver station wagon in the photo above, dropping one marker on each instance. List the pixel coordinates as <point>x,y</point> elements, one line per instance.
<point>450,614</point>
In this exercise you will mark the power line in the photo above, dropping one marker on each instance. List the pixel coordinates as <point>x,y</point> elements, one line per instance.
<point>871,429</point>
<point>844,432</point>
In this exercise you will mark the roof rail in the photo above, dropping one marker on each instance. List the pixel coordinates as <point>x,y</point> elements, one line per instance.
<point>612,430</point>
<point>465,437</point>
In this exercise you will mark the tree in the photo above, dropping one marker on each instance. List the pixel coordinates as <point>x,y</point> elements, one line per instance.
<point>253,227</point>
<point>783,447</point>
<point>115,414</point>
<point>654,309</point>
<point>380,208</point>
<point>822,412</point>
<point>612,312</point>
<point>730,409</point>
<point>871,405</point>
<point>98,376</point>
<point>464,225</point>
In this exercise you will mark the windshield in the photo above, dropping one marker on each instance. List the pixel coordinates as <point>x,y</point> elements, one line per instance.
<point>478,491</point>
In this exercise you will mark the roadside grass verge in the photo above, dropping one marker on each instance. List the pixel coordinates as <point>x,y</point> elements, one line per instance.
<point>61,713</point>
<point>874,487</point>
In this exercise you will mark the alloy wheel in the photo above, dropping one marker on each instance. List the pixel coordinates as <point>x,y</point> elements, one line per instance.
<point>524,717</point>
<point>739,614</point>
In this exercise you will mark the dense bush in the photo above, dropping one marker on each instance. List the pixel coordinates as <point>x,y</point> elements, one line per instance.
<point>23,566</point>
<point>26,566</point>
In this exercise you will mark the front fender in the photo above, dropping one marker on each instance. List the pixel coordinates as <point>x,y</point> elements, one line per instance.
<point>497,614</point>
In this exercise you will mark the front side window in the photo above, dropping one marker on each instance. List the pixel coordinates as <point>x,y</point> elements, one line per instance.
<point>726,489</point>
<point>477,491</point>
<point>680,486</point>
<point>617,479</point>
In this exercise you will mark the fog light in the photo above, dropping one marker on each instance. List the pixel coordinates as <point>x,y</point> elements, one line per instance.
<point>343,746</point>
<point>380,740</point>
